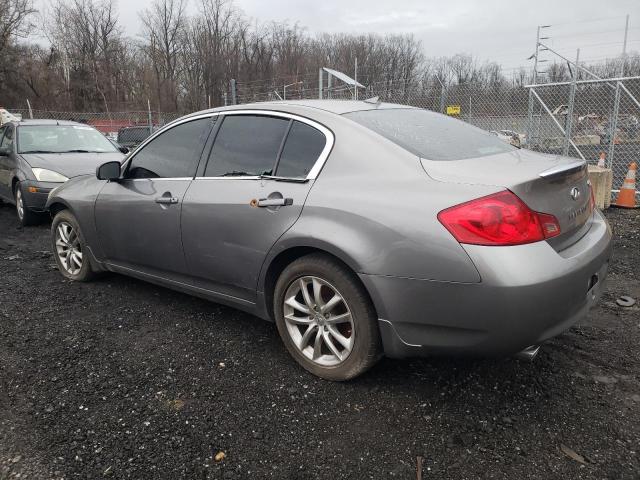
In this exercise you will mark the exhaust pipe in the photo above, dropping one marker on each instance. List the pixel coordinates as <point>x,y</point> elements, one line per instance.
<point>528,353</point>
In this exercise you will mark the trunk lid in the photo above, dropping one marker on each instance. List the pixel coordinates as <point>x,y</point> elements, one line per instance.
<point>546,183</point>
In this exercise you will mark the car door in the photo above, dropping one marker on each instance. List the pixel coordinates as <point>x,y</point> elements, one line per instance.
<point>231,215</point>
<point>138,217</point>
<point>6,161</point>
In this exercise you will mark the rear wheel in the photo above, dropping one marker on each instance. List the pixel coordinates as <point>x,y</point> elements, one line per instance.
<point>325,318</point>
<point>69,248</point>
<point>26,217</point>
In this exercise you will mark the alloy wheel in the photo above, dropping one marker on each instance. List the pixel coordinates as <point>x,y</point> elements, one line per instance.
<point>19,203</point>
<point>319,321</point>
<point>68,248</point>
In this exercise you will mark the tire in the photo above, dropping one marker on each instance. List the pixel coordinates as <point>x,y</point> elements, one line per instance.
<point>333,339</point>
<point>68,246</point>
<point>26,217</point>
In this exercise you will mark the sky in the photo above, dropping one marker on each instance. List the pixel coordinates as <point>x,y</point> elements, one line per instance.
<point>501,31</point>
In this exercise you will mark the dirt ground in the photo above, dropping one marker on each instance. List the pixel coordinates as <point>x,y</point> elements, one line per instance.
<point>121,379</point>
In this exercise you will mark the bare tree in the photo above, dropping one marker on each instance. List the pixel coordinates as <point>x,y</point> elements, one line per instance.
<point>87,43</point>
<point>164,24</point>
<point>184,62</point>
<point>14,20</point>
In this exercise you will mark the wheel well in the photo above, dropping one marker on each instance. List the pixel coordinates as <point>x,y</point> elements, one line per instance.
<point>283,259</point>
<point>55,208</point>
<point>14,182</point>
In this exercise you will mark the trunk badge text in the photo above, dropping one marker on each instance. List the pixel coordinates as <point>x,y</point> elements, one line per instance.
<point>575,193</point>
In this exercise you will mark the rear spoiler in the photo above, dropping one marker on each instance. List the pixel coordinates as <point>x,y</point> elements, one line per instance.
<point>564,170</point>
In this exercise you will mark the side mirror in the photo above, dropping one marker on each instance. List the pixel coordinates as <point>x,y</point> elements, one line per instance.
<point>108,171</point>
<point>124,150</point>
<point>4,151</point>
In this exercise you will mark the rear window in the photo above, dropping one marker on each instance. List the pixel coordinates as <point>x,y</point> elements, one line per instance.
<point>303,146</point>
<point>430,135</point>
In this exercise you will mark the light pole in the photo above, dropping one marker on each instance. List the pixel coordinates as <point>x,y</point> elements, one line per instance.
<point>284,89</point>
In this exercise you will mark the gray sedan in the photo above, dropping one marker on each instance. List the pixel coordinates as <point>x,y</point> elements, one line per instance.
<point>360,228</point>
<point>38,155</point>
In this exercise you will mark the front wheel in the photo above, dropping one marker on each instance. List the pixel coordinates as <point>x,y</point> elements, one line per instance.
<point>26,217</point>
<point>325,318</point>
<point>69,248</point>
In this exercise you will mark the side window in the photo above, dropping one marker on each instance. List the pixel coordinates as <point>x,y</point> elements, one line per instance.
<point>7,140</point>
<point>246,145</point>
<point>174,153</point>
<point>2,129</point>
<point>301,150</point>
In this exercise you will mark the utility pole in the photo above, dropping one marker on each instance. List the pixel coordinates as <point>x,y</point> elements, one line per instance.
<point>320,83</point>
<point>613,122</point>
<point>149,118</point>
<point>234,96</point>
<point>442,92</point>
<point>572,99</point>
<point>284,89</point>
<point>355,77</point>
<point>535,81</point>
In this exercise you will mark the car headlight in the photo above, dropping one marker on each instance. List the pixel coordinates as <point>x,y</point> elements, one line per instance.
<point>44,175</point>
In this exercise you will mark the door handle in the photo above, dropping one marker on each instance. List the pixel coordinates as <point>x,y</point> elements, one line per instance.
<point>273,202</point>
<point>167,200</point>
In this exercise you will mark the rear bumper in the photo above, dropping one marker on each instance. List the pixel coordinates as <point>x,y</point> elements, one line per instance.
<point>528,294</point>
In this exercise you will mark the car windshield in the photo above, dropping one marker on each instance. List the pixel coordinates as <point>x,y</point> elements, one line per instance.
<point>430,135</point>
<point>62,139</point>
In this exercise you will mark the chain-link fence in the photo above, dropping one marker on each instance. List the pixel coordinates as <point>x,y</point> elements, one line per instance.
<point>107,123</point>
<point>588,119</point>
<point>584,120</point>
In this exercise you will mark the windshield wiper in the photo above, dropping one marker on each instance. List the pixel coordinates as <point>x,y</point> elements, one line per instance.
<point>78,150</point>
<point>38,151</point>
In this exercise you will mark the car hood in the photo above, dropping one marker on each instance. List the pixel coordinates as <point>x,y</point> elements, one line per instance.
<point>71,164</point>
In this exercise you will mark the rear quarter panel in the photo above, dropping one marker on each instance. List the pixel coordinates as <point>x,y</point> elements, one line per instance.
<point>374,207</point>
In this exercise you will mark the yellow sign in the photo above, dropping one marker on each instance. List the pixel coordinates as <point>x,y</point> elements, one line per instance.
<point>453,109</point>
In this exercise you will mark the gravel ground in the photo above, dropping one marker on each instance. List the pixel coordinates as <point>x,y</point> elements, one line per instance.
<point>122,379</point>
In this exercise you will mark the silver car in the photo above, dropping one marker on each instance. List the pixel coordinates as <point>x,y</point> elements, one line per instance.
<point>38,155</point>
<point>360,228</point>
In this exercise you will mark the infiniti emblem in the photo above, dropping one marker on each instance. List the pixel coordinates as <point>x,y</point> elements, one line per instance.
<point>575,193</point>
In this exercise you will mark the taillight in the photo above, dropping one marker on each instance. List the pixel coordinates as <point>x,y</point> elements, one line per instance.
<point>498,219</point>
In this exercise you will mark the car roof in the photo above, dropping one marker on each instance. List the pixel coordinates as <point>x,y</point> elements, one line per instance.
<point>339,107</point>
<point>50,122</point>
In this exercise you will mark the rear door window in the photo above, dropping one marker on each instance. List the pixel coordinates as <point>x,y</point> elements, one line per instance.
<point>246,145</point>
<point>430,135</point>
<point>303,146</point>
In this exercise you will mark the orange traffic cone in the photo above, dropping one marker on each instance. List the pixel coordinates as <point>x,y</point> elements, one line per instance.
<point>627,195</point>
